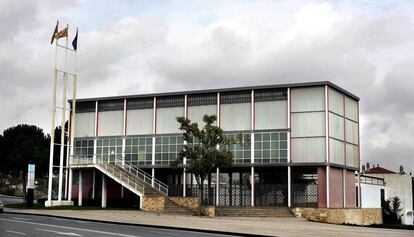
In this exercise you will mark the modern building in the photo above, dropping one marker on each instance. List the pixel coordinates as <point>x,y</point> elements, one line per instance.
<point>301,146</point>
<point>381,184</point>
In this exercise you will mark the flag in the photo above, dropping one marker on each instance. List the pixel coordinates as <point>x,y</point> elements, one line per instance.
<point>62,33</point>
<point>75,41</point>
<point>54,32</point>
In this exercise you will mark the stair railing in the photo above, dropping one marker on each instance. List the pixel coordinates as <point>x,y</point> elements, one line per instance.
<point>126,166</point>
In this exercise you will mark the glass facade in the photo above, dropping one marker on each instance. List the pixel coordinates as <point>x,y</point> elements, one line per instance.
<point>109,149</point>
<point>241,149</point>
<point>84,148</point>
<point>270,129</point>
<point>167,149</point>
<point>270,147</point>
<point>138,150</point>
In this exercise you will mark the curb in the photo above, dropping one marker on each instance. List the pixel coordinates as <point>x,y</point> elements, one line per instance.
<point>146,225</point>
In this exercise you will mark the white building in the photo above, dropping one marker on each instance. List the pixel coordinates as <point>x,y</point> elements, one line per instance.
<point>396,185</point>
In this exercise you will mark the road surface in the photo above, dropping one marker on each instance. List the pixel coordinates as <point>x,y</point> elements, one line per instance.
<point>29,225</point>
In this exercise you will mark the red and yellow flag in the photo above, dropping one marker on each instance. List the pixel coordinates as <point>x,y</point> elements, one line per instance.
<point>62,33</point>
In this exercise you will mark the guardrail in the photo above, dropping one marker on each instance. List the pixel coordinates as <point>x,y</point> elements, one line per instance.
<point>126,166</point>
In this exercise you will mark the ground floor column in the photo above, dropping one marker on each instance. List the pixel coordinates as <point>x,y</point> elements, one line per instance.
<point>152,177</point>
<point>184,182</point>
<point>80,189</point>
<point>103,203</point>
<point>93,185</point>
<point>70,185</point>
<point>252,184</point>
<point>217,186</point>
<point>289,187</point>
<point>344,187</point>
<point>328,190</point>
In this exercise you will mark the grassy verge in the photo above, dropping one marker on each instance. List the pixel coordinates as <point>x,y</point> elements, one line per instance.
<point>42,207</point>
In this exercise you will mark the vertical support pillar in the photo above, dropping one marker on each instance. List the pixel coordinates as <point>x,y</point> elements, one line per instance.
<point>124,132</point>
<point>217,186</point>
<point>252,184</point>
<point>327,186</point>
<point>289,186</point>
<point>80,189</point>
<point>359,190</point>
<point>103,203</point>
<point>344,186</point>
<point>95,143</point>
<point>93,184</point>
<point>185,182</point>
<point>70,184</point>
<point>288,151</point>
<point>152,177</point>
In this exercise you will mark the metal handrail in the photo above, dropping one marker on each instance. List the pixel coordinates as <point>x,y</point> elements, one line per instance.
<point>126,166</point>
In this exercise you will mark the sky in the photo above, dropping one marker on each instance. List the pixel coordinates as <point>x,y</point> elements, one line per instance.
<point>132,47</point>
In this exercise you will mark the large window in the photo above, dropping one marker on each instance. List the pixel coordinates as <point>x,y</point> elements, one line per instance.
<point>167,149</point>
<point>138,150</point>
<point>270,109</point>
<point>270,147</point>
<point>83,148</point>
<point>241,150</point>
<point>109,149</point>
<point>235,111</point>
<point>168,109</point>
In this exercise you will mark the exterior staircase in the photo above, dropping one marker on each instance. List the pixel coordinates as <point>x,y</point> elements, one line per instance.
<point>129,176</point>
<point>254,211</point>
<point>173,208</point>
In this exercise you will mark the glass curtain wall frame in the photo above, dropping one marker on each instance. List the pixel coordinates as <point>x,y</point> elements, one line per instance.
<point>138,150</point>
<point>270,109</point>
<point>235,111</point>
<point>241,150</point>
<point>109,149</point>
<point>168,109</point>
<point>270,147</point>
<point>85,119</point>
<point>167,148</point>
<point>308,135</point>
<point>83,148</point>
<point>111,117</point>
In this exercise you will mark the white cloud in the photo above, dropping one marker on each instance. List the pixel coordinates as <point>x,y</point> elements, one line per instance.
<point>151,48</point>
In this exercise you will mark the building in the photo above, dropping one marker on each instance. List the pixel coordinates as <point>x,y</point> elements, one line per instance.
<point>302,146</point>
<point>384,184</point>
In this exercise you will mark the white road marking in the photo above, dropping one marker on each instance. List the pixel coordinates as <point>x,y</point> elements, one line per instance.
<point>15,232</point>
<point>59,233</point>
<point>72,228</point>
<point>21,219</point>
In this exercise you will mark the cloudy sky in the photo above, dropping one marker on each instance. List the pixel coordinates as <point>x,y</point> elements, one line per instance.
<point>130,47</point>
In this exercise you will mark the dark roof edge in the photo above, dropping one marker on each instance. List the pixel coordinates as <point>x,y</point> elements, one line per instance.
<point>290,85</point>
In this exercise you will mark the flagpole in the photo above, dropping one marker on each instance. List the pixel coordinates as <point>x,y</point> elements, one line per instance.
<point>63,118</point>
<point>52,129</point>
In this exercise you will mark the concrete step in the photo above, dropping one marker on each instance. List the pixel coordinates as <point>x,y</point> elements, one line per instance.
<point>254,212</point>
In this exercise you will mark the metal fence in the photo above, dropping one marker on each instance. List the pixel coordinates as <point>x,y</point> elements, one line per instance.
<point>271,195</point>
<point>235,195</point>
<point>304,195</point>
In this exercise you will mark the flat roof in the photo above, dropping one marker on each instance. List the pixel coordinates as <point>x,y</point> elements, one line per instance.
<point>303,84</point>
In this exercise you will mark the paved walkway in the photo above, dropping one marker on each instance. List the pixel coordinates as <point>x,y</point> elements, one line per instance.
<point>279,226</point>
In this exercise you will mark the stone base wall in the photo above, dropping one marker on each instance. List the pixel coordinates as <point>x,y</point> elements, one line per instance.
<point>353,216</point>
<point>153,204</point>
<point>209,211</point>
<point>187,202</point>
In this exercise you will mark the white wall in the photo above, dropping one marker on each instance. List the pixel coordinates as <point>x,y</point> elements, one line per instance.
<point>397,185</point>
<point>371,195</point>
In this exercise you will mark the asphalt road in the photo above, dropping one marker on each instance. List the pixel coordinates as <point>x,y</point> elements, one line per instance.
<point>29,225</point>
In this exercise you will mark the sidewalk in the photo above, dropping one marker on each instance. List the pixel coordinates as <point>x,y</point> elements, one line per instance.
<point>284,226</point>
